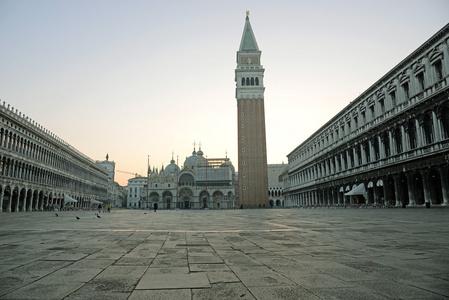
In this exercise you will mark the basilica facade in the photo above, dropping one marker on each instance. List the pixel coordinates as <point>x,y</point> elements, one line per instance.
<point>200,183</point>
<point>389,146</point>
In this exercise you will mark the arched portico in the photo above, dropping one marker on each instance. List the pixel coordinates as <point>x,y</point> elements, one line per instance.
<point>217,197</point>
<point>185,199</point>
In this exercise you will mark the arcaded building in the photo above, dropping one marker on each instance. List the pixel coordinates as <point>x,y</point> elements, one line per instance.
<point>389,146</point>
<point>252,149</point>
<point>38,170</point>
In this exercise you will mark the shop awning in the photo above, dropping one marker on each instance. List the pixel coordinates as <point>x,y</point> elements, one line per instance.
<point>358,190</point>
<point>93,201</point>
<point>68,199</point>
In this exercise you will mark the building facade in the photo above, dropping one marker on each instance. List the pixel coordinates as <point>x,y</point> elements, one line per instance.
<point>389,146</point>
<point>252,150</point>
<point>114,197</point>
<point>201,183</point>
<point>38,169</point>
<point>276,184</point>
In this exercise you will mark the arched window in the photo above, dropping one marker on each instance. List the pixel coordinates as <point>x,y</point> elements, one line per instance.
<point>367,152</point>
<point>257,80</point>
<point>428,129</point>
<point>386,141</point>
<point>445,121</point>
<point>243,81</point>
<point>411,129</point>
<point>376,148</point>
<point>247,80</point>
<point>398,140</point>
<point>252,80</point>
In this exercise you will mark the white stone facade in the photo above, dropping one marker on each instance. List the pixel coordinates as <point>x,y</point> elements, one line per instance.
<point>276,184</point>
<point>201,183</point>
<point>389,146</point>
<point>37,168</point>
<point>113,198</point>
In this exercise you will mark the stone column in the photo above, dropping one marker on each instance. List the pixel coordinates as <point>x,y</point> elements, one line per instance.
<point>374,193</point>
<point>411,189</point>
<point>427,196</point>
<point>436,127</point>
<point>381,144</point>
<point>405,138</point>
<point>391,142</point>
<point>8,208</point>
<point>444,185</point>
<point>397,194</point>
<point>24,206</point>
<point>384,187</point>
<point>419,132</point>
<point>29,201</point>
<point>1,198</point>
<point>372,155</point>
<point>363,153</point>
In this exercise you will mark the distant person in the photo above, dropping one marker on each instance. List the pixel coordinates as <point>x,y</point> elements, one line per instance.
<point>99,208</point>
<point>109,208</point>
<point>155,206</point>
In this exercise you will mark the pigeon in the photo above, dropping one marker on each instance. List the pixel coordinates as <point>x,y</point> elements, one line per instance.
<point>77,218</point>
<point>98,216</point>
<point>57,215</point>
<point>144,213</point>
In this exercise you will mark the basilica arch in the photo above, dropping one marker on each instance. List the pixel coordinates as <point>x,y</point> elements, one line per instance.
<point>186,199</point>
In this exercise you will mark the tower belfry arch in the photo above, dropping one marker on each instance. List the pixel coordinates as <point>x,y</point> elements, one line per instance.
<point>252,150</point>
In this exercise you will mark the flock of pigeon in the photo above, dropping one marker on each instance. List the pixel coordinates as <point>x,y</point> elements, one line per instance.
<point>98,216</point>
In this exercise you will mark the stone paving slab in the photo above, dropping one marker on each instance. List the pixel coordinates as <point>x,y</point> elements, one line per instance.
<point>226,254</point>
<point>173,281</point>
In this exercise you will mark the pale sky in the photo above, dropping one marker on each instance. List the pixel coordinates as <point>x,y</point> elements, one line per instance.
<point>139,78</point>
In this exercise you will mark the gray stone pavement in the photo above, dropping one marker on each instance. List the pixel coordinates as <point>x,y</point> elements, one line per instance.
<point>228,254</point>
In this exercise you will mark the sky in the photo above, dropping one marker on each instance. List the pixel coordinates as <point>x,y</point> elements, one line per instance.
<point>134,79</point>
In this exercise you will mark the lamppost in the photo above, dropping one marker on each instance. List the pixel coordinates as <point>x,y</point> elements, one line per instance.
<point>148,178</point>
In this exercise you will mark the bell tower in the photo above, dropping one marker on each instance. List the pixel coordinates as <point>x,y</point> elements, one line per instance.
<point>252,149</point>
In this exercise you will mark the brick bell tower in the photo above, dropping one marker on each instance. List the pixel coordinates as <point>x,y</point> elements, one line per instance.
<point>252,149</point>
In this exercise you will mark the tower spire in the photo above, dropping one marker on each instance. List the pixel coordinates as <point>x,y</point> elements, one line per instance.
<point>248,42</point>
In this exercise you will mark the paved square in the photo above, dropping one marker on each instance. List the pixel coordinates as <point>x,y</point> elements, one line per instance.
<point>226,254</point>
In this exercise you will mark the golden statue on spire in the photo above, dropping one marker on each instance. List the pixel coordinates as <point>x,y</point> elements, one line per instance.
<point>247,13</point>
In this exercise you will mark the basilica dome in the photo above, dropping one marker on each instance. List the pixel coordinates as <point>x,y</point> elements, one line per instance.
<point>191,162</point>
<point>171,168</point>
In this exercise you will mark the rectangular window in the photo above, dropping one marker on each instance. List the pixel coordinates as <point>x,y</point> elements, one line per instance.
<point>438,70</point>
<point>393,98</point>
<point>420,78</point>
<point>405,88</point>
<point>382,105</point>
<point>356,122</point>
<point>363,117</point>
<point>371,108</point>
